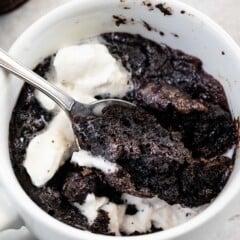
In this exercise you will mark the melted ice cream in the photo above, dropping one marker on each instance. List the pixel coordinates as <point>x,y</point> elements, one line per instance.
<point>86,159</point>
<point>150,211</point>
<point>49,150</point>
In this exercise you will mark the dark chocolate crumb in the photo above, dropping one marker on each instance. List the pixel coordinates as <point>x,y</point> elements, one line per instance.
<point>155,229</point>
<point>119,20</point>
<point>223,53</point>
<point>148,4</point>
<point>44,67</point>
<point>167,11</point>
<point>161,33</point>
<point>131,209</point>
<point>175,35</point>
<point>147,26</point>
<point>183,12</point>
<point>126,7</point>
<point>101,222</point>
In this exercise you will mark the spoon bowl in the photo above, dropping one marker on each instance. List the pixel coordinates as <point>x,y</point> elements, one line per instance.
<point>95,108</point>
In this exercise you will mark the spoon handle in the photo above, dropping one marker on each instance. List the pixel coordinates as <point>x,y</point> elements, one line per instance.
<point>56,94</point>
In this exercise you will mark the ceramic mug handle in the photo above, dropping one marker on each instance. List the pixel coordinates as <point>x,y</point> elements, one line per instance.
<point>9,219</point>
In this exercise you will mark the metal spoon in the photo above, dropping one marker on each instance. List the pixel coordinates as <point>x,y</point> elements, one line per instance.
<point>67,103</point>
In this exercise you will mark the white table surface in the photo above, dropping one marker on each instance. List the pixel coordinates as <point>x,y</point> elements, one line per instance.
<point>226,226</point>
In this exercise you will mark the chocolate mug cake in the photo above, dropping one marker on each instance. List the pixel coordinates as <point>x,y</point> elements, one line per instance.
<point>138,170</point>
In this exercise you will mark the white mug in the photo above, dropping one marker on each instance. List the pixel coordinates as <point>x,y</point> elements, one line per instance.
<point>185,29</point>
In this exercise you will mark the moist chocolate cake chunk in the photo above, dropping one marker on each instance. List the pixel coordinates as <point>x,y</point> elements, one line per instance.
<point>101,223</point>
<point>151,62</point>
<point>161,74</point>
<point>123,134</point>
<point>162,97</point>
<point>151,160</point>
<point>78,185</point>
<point>171,145</point>
<point>206,134</point>
<point>202,180</point>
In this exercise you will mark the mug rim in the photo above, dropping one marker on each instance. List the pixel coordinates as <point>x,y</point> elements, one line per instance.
<point>27,203</point>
